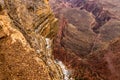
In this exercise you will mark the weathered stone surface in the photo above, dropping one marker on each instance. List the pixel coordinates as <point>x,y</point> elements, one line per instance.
<point>27,28</point>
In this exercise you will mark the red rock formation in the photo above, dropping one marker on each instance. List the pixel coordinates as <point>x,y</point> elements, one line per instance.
<point>84,43</point>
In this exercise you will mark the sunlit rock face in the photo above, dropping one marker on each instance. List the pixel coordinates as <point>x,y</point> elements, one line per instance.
<point>87,30</point>
<point>27,28</point>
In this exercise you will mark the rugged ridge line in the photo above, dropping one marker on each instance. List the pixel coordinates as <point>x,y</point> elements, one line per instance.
<point>86,31</point>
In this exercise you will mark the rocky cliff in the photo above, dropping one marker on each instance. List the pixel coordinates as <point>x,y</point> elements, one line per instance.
<point>27,29</point>
<point>88,29</point>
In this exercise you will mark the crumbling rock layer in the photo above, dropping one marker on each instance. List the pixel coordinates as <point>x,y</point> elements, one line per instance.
<point>27,28</point>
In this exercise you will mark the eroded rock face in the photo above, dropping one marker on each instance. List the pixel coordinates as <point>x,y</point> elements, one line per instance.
<point>27,28</point>
<point>87,28</point>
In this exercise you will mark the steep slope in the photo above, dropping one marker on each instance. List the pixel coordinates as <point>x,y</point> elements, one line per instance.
<point>87,28</point>
<point>27,28</point>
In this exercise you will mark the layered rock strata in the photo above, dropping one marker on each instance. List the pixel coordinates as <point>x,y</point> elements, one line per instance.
<point>87,28</point>
<point>27,29</point>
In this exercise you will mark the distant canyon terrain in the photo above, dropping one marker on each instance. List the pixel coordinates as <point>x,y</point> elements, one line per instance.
<point>88,38</point>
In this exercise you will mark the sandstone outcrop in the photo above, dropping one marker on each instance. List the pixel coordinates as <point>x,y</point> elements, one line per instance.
<point>27,28</point>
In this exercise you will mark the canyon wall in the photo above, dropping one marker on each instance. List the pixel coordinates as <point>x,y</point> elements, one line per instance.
<point>88,29</point>
<point>27,30</point>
